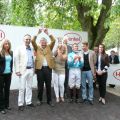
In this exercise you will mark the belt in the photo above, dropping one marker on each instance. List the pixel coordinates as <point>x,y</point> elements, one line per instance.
<point>29,67</point>
<point>45,67</point>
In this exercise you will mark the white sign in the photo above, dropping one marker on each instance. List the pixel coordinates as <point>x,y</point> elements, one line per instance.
<point>15,35</point>
<point>114,74</point>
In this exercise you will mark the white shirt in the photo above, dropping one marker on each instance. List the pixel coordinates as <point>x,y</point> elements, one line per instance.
<point>86,52</point>
<point>44,62</point>
<point>99,63</point>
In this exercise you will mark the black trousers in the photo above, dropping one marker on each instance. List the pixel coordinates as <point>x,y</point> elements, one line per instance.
<point>5,81</point>
<point>102,84</point>
<point>44,75</point>
<point>66,80</point>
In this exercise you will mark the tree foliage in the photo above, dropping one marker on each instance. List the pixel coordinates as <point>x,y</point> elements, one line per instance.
<point>60,14</point>
<point>112,38</point>
<point>3,9</point>
<point>92,17</point>
<point>23,12</point>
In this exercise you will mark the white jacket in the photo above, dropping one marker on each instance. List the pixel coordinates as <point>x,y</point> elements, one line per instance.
<point>20,59</point>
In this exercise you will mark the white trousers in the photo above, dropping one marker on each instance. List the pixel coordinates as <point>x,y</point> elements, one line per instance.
<point>58,81</point>
<point>74,78</point>
<point>25,88</point>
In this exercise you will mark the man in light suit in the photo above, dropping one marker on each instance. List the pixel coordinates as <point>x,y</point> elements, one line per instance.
<point>24,68</point>
<point>88,73</point>
<point>44,64</point>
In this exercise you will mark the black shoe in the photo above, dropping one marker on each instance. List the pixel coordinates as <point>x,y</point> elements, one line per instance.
<point>8,108</point>
<point>3,111</point>
<point>39,103</point>
<point>83,101</point>
<point>65,96</point>
<point>77,101</point>
<point>71,101</point>
<point>31,105</point>
<point>21,108</point>
<point>91,102</point>
<point>50,104</point>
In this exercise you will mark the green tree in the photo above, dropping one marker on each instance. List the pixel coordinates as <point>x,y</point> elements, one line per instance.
<point>85,15</point>
<point>92,17</point>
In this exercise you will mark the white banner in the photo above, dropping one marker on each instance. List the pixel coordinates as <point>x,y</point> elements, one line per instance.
<point>15,35</point>
<point>114,74</point>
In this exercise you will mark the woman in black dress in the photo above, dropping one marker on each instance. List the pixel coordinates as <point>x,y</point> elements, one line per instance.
<point>102,65</point>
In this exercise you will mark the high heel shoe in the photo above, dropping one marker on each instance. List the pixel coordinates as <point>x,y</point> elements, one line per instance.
<point>57,100</point>
<point>100,99</point>
<point>62,99</point>
<point>103,101</point>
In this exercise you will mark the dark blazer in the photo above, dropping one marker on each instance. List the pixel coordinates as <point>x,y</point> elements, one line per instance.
<point>104,62</point>
<point>69,49</point>
<point>2,63</point>
<point>116,59</point>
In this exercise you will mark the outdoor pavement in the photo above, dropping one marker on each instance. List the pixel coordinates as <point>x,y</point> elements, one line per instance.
<point>66,111</point>
<point>115,91</point>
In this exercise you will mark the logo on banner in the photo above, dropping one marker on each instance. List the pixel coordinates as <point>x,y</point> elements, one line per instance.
<point>116,74</point>
<point>2,35</point>
<point>73,38</point>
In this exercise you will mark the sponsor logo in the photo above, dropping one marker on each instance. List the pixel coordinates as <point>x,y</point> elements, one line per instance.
<point>116,74</point>
<point>2,35</point>
<point>73,38</point>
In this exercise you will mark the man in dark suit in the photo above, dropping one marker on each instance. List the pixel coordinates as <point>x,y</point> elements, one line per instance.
<point>113,58</point>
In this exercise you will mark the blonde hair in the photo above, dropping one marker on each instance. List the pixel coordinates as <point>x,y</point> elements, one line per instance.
<point>62,47</point>
<point>2,52</point>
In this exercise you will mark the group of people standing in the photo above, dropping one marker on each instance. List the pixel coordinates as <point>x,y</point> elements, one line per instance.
<point>67,67</point>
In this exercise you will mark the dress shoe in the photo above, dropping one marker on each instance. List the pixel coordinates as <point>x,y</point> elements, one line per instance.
<point>84,101</point>
<point>77,101</point>
<point>21,108</point>
<point>31,105</point>
<point>39,103</point>
<point>8,108</point>
<point>91,102</point>
<point>71,101</point>
<point>50,104</point>
<point>66,96</point>
<point>3,111</point>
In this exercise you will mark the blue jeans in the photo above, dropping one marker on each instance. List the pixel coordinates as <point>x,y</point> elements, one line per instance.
<point>87,75</point>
